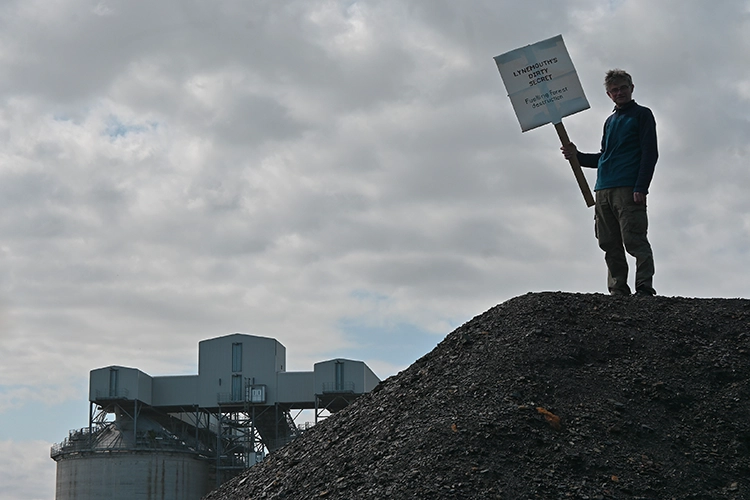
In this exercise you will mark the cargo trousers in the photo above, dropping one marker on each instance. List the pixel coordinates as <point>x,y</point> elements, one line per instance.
<point>622,225</point>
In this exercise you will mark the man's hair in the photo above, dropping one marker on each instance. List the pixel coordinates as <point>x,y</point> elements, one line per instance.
<point>617,75</point>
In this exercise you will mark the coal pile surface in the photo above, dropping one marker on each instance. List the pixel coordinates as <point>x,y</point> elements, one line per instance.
<point>547,395</point>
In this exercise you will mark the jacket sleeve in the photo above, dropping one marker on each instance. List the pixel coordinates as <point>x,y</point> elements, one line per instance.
<point>649,151</point>
<point>589,159</point>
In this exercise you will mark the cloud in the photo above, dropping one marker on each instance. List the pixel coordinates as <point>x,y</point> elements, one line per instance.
<point>26,471</point>
<point>331,172</point>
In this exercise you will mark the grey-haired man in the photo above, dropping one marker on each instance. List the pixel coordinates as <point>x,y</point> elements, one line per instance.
<point>625,167</point>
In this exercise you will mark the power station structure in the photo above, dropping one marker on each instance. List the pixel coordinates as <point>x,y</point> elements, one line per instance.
<point>178,437</point>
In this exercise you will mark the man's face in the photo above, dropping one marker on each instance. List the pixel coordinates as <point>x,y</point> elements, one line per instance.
<point>620,92</point>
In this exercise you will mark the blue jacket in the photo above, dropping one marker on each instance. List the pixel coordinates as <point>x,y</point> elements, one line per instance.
<point>629,153</point>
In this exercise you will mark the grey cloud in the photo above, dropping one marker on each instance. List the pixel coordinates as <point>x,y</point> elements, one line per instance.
<point>175,171</point>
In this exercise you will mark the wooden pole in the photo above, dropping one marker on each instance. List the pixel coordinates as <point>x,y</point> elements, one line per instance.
<point>563,135</point>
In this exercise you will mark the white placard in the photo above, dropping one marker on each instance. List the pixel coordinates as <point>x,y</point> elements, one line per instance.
<point>542,83</point>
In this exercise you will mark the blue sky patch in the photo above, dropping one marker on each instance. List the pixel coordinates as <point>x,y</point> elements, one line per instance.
<point>116,128</point>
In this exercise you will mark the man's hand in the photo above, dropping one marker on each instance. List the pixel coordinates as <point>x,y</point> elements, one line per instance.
<point>639,198</point>
<point>569,151</point>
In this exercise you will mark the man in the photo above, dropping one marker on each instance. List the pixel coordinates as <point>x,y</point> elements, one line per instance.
<point>625,166</point>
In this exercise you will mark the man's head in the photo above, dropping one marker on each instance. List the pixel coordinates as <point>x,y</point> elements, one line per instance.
<point>619,85</point>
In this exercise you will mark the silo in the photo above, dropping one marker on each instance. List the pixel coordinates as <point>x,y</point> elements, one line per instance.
<point>117,464</point>
<point>131,475</point>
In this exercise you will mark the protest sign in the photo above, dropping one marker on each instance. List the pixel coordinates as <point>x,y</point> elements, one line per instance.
<point>543,88</point>
<point>542,83</point>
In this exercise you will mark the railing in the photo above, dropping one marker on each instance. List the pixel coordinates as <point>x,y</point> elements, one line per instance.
<point>228,398</point>
<point>78,439</point>
<point>332,387</point>
<point>81,441</point>
<point>118,394</point>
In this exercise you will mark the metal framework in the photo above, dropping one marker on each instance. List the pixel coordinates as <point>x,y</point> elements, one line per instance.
<point>232,432</point>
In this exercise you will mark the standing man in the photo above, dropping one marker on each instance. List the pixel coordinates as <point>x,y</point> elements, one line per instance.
<point>625,166</point>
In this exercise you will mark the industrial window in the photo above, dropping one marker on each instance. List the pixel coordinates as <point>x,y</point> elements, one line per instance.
<point>236,387</point>
<point>339,376</point>
<point>236,358</point>
<point>113,382</point>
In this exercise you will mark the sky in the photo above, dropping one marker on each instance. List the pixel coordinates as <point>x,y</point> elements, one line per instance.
<point>348,177</point>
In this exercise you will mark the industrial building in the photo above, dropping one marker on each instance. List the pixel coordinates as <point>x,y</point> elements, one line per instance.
<point>178,437</point>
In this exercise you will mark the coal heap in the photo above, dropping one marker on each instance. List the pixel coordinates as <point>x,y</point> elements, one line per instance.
<point>547,395</point>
